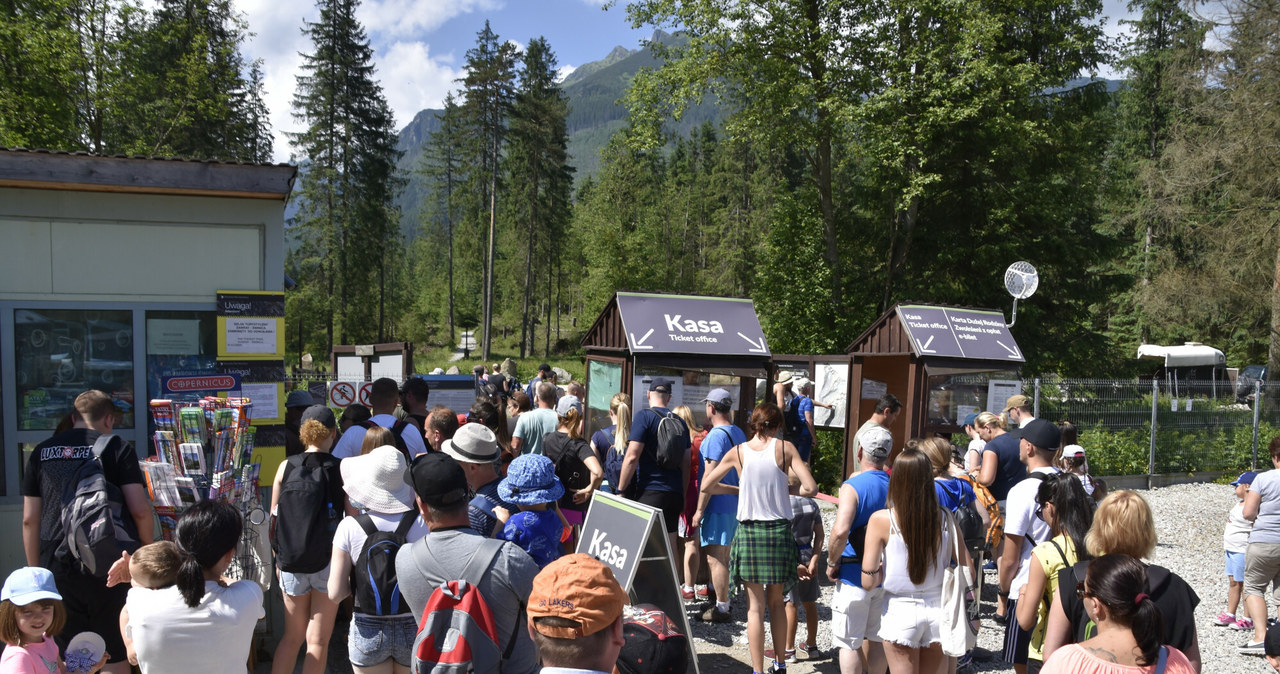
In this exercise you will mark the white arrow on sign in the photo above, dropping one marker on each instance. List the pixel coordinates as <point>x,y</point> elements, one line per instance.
<point>1013,353</point>
<point>924,348</point>
<point>635,343</point>
<point>759,347</point>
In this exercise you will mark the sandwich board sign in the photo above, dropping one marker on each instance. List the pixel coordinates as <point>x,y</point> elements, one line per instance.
<point>630,539</point>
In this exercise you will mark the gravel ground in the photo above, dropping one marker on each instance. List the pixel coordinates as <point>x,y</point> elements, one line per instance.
<point>1189,520</point>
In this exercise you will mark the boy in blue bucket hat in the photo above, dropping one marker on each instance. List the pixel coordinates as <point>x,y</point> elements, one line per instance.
<point>538,527</point>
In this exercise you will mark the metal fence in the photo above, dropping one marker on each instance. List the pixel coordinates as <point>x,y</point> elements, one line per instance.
<point>1163,427</point>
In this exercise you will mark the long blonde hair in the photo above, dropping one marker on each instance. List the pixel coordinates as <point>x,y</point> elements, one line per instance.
<point>620,405</point>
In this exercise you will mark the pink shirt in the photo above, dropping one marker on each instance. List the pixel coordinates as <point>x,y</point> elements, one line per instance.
<point>41,658</point>
<point>1075,659</point>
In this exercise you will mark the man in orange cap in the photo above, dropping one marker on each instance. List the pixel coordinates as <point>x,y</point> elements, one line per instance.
<point>575,615</point>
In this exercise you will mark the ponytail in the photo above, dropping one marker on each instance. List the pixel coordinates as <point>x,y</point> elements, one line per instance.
<point>569,421</point>
<point>206,532</point>
<point>621,407</point>
<point>1120,583</point>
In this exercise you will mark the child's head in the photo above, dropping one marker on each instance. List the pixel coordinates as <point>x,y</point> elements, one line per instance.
<point>1073,459</point>
<point>531,480</point>
<point>30,607</point>
<point>1242,483</point>
<point>155,565</point>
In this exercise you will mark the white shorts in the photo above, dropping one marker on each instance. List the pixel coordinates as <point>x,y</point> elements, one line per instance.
<point>911,621</point>
<point>855,615</point>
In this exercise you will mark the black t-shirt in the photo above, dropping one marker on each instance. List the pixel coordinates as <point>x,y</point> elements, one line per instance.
<point>1175,598</point>
<point>54,463</point>
<point>554,444</point>
<point>1009,467</point>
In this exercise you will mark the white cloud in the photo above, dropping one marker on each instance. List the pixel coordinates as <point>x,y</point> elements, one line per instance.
<point>412,80</point>
<point>518,45</point>
<point>279,42</point>
<point>564,71</point>
<point>408,18</point>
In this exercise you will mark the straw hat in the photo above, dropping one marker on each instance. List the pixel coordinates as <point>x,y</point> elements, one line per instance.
<point>376,480</point>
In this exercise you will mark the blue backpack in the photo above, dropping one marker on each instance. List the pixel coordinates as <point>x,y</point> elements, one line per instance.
<point>373,580</point>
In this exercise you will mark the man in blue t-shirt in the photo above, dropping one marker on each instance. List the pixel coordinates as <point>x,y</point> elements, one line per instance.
<point>660,488</point>
<point>717,516</point>
<point>855,612</point>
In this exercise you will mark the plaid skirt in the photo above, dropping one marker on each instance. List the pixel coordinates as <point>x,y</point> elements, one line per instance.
<point>764,552</point>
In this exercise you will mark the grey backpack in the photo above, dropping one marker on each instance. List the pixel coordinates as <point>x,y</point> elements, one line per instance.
<point>94,532</point>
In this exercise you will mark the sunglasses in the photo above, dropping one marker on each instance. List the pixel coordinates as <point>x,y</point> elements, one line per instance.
<point>1081,592</point>
<point>1040,510</point>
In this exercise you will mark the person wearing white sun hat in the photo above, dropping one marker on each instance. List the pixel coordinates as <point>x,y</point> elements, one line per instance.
<point>381,636</point>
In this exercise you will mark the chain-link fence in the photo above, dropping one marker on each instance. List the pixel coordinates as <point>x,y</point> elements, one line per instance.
<point>1164,427</point>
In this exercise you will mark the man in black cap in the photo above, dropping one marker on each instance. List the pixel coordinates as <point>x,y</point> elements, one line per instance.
<point>294,405</point>
<point>661,488</point>
<point>1023,530</point>
<point>544,374</point>
<point>441,556</point>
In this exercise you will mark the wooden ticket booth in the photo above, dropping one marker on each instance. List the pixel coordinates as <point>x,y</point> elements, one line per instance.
<point>700,343</point>
<point>942,362</point>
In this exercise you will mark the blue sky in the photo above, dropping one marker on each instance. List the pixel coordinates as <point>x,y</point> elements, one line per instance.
<point>420,45</point>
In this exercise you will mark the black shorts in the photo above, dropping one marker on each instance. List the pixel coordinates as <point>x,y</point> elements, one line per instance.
<point>1016,639</point>
<point>669,502</point>
<point>92,607</point>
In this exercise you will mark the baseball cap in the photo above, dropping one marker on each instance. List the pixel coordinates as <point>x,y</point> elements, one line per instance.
<point>1016,401</point>
<point>876,442</point>
<point>544,368</point>
<point>576,587</point>
<point>299,399</point>
<point>438,480</point>
<point>1042,433</point>
<point>28,584</point>
<point>567,403</point>
<point>971,419</point>
<point>1246,477</point>
<point>661,385</point>
<point>322,414</point>
<point>718,396</point>
<point>1072,451</point>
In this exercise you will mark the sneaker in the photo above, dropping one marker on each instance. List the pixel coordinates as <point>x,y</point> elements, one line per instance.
<point>790,655</point>
<point>989,566</point>
<point>777,669</point>
<point>686,593</point>
<point>810,650</point>
<point>1225,619</point>
<point>715,615</point>
<point>1243,624</point>
<point>1251,648</point>
<point>703,592</point>
<point>1000,619</point>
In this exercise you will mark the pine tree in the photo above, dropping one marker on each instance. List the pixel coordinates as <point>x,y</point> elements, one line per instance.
<point>490,92</point>
<point>540,174</point>
<point>442,163</point>
<point>348,181</point>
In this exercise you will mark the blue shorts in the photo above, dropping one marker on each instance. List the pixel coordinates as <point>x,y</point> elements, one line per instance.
<point>298,584</point>
<point>1235,566</point>
<point>717,528</point>
<point>372,641</point>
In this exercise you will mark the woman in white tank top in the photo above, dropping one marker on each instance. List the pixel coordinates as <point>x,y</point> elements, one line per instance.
<point>912,543</point>
<point>763,556</point>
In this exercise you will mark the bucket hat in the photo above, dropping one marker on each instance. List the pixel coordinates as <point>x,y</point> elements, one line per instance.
<point>472,443</point>
<point>376,480</point>
<point>531,479</point>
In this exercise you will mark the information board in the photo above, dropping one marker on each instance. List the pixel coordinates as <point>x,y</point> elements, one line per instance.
<point>945,332</point>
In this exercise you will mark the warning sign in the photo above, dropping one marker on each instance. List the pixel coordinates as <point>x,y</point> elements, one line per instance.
<point>366,394</point>
<point>341,393</point>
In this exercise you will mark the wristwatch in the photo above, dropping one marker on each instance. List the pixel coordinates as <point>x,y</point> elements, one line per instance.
<point>832,564</point>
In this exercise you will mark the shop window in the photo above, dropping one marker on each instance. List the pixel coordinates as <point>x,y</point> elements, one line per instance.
<point>60,353</point>
<point>179,343</point>
<point>604,379</point>
<point>952,397</point>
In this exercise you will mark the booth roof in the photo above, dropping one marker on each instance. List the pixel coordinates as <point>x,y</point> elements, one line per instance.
<point>1190,354</point>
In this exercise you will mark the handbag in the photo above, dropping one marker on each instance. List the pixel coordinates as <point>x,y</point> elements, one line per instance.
<point>959,633</point>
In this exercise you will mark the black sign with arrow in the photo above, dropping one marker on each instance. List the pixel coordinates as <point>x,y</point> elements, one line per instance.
<point>683,324</point>
<point>943,332</point>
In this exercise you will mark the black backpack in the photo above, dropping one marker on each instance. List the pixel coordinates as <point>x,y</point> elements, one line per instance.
<point>570,467</point>
<point>397,429</point>
<point>373,579</point>
<point>93,528</point>
<point>308,511</point>
<point>969,522</point>
<point>792,424</point>
<point>673,440</point>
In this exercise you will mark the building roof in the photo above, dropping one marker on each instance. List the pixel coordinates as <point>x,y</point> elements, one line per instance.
<point>82,171</point>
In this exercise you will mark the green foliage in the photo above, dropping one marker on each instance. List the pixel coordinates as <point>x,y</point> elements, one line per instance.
<point>826,461</point>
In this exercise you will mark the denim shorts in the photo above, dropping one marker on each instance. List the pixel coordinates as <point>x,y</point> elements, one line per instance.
<point>717,528</point>
<point>372,641</point>
<point>298,584</point>
<point>1235,566</point>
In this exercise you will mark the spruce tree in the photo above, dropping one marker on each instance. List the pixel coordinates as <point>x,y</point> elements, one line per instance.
<point>442,164</point>
<point>348,151</point>
<point>490,92</point>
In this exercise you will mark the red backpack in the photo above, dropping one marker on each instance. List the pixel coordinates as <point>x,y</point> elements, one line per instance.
<point>457,633</point>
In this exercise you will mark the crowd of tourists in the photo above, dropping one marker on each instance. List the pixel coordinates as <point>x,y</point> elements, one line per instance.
<point>391,522</point>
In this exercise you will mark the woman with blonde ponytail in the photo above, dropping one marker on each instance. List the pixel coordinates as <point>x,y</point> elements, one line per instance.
<point>610,443</point>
